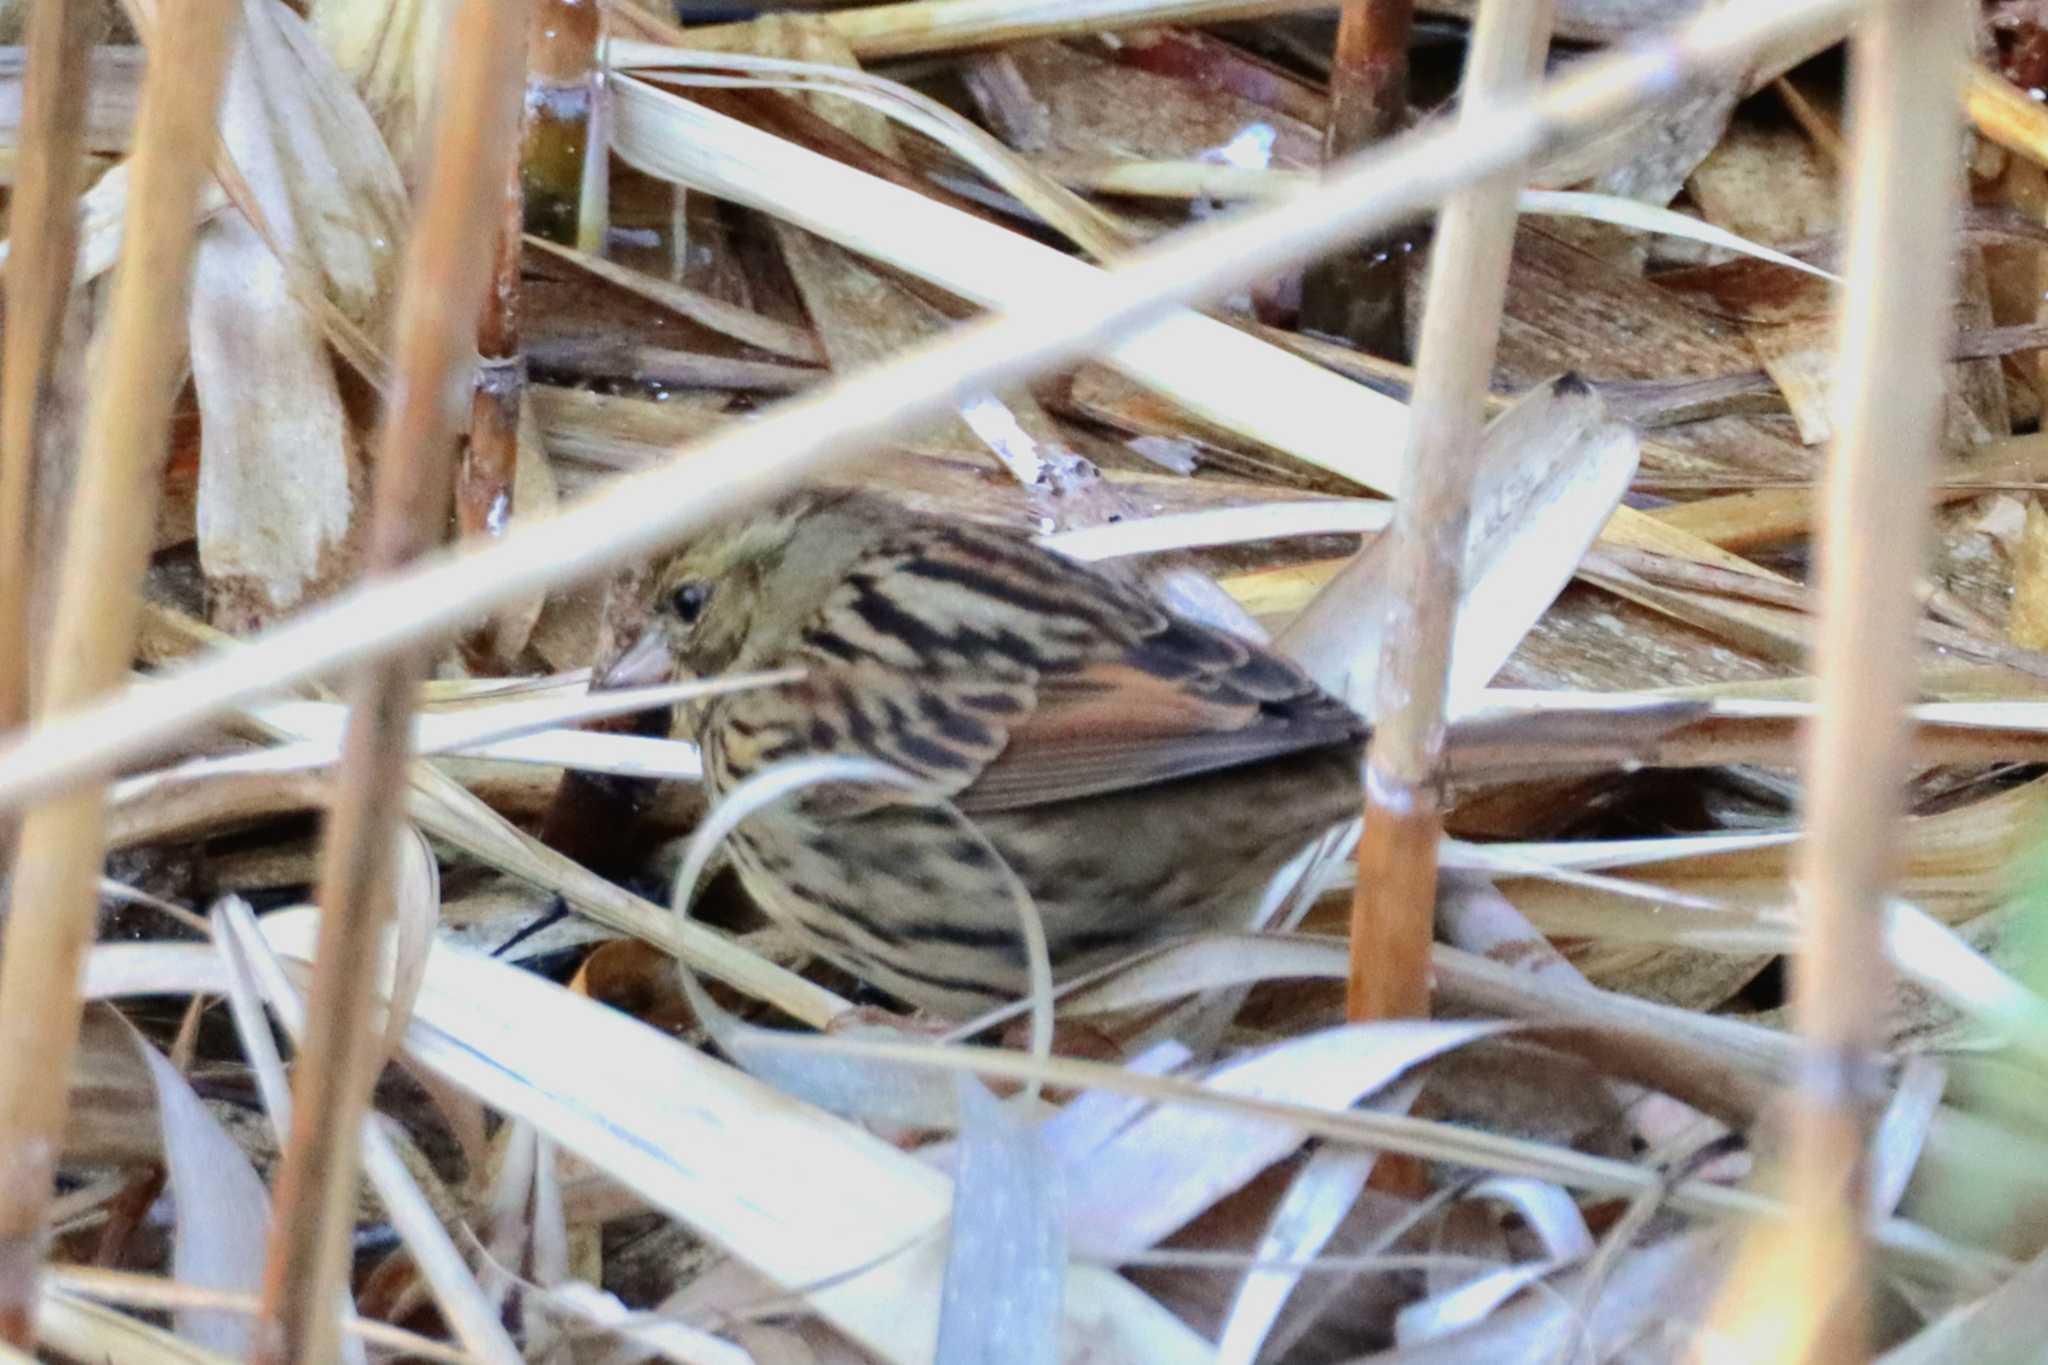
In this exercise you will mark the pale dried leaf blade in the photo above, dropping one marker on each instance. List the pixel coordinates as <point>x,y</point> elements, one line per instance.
<point>1006,1264</point>
<point>275,499</point>
<point>1153,1176</point>
<point>1317,1200</point>
<point>1216,371</point>
<point>799,1194</point>
<point>223,1208</point>
<point>1551,471</point>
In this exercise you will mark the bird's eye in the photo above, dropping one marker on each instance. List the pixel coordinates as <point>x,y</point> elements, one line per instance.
<point>687,601</point>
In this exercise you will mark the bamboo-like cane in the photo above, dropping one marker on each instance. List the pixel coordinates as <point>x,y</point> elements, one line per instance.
<point>1393,909</point>
<point>445,278</point>
<point>43,246</point>
<point>643,513</point>
<point>1896,304</point>
<point>1359,292</point>
<point>106,547</point>
<point>563,165</point>
<point>489,467</point>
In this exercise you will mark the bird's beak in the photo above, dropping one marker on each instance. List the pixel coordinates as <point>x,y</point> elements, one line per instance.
<point>644,663</point>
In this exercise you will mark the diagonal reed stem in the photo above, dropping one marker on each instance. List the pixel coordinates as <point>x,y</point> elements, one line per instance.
<point>446,273</point>
<point>106,548</point>
<point>1897,299</point>
<point>1393,909</point>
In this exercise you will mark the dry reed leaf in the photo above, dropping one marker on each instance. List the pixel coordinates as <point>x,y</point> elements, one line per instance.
<point>1550,472</point>
<point>1472,915</point>
<point>643,1336</point>
<point>1000,1304</point>
<point>1569,310</point>
<point>1098,108</point>
<point>1212,369</point>
<point>1220,526</point>
<point>741,324</point>
<point>85,1330</point>
<point>1650,1301</point>
<point>103,213</point>
<point>114,969</point>
<point>1196,966</point>
<point>1956,864</point>
<point>223,1208</point>
<point>833,71</point>
<point>1901,1136</point>
<point>113,1118</point>
<point>1996,1329</point>
<point>281,461</point>
<point>2028,624</point>
<point>894,30</point>
<point>1317,1199</point>
<point>1152,1176</point>
<point>101,1285</point>
<point>1454,1310</point>
<point>415,912</point>
<point>277,494</point>
<point>863,316</point>
<point>619,432</point>
<point>801,1195</point>
<point>251,970</point>
<point>1769,182</point>
<point>391,52</point>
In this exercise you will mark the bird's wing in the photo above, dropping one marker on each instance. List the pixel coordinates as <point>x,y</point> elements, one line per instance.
<point>1005,677</point>
<point>1183,700</point>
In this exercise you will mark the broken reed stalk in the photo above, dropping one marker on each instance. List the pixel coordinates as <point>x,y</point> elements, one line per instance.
<point>643,513</point>
<point>1393,909</point>
<point>1897,302</point>
<point>562,162</point>
<point>445,280</point>
<point>1358,292</point>
<point>43,250</point>
<point>489,468</point>
<point>106,548</point>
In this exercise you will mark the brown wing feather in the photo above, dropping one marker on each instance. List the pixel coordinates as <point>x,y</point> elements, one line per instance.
<point>1008,677</point>
<point>1116,726</point>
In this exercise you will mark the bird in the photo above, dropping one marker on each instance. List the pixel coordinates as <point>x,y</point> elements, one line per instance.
<point>1143,775</point>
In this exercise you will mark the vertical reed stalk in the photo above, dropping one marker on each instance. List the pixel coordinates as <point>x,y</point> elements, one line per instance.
<point>106,548</point>
<point>488,471</point>
<point>43,233</point>
<point>446,275</point>
<point>1897,300</point>
<point>1359,293</point>
<point>1393,909</point>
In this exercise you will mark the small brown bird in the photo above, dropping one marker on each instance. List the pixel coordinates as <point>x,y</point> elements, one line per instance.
<point>1143,775</point>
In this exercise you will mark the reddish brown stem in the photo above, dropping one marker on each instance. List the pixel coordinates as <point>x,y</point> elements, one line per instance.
<point>564,82</point>
<point>108,531</point>
<point>490,458</point>
<point>445,282</point>
<point>1358,294</point>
